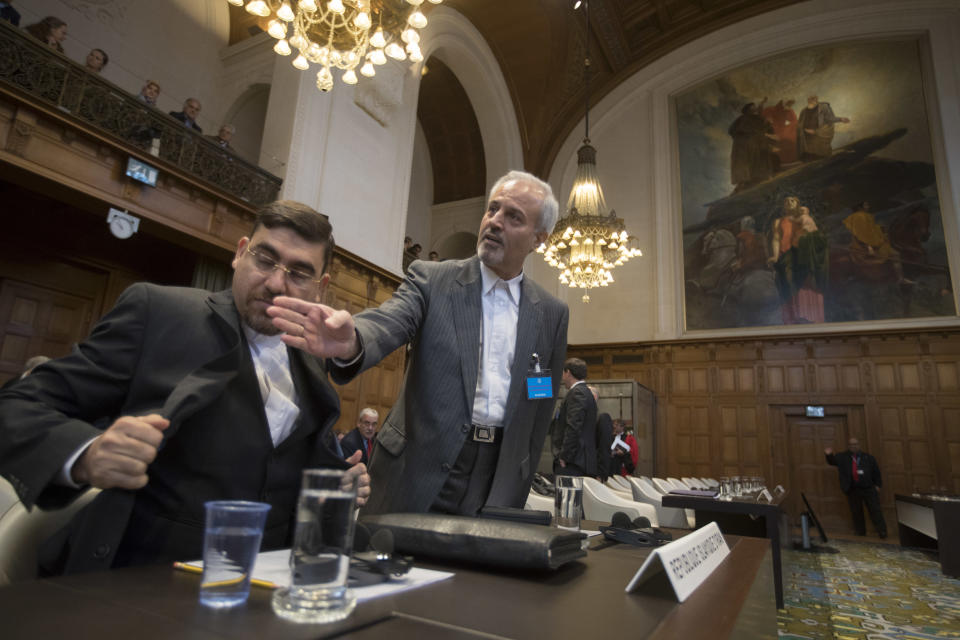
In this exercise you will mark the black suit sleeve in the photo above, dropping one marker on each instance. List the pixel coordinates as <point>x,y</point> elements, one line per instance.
<point>49,414</point>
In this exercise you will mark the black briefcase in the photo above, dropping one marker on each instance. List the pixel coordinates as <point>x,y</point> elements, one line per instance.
<point>498,543</point>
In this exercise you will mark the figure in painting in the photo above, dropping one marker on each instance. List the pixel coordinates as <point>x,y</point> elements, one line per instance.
<point>783,119</point>
<point>799,254</point>
<point>869,245</point>
<point>816,130</point>
<point>753,158</point>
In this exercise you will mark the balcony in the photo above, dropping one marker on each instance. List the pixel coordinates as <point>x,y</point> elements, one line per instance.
<point>35,73</point>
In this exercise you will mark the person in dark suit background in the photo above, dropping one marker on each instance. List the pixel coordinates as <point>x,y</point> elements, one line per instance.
<point>463,433</point>
<point>191,110</point>
<point>177,397</point>
<point>859,479</point>
<point>577,424</point>
<point>604,439</point>
<point>362,438</point>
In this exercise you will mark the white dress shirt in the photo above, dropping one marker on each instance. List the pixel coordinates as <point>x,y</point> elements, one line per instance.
<point>500,301</point>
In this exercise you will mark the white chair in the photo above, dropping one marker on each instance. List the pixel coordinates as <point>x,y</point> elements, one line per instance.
<point>676,484</point>
<point>600,503</point>
<point>661,485</point>
<point>690,514</point>
<point>22,532</point>
<point>693,483</point>
<point>668,516</point>
<point>619,482</point>
<point>537,502</point>
<point>711,482</point>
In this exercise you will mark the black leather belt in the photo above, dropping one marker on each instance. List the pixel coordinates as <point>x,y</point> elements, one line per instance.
<point>485,434</point>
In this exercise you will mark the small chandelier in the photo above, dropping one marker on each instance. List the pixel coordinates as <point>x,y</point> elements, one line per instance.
<point>588,242</point>
<point>343,34</point>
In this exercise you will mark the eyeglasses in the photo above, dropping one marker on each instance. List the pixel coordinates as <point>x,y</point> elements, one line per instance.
<point>267,265</point>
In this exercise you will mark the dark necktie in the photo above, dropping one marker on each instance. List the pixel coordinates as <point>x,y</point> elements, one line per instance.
<point>855,475</point>
<point>366,444</point>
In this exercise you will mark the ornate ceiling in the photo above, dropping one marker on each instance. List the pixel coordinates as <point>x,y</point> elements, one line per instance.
<point>540,47</point>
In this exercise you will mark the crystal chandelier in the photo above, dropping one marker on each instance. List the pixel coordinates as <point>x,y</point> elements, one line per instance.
<point>343,34</point>
<point>588,242</point>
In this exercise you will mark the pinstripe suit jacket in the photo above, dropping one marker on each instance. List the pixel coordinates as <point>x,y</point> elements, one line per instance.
<point>437,310</point>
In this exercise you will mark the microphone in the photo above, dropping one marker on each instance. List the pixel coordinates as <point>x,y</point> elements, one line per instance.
<point>382,542</point>
<point>620,520</point>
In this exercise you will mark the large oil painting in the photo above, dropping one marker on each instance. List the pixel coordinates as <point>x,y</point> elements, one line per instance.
<point>809,191</point>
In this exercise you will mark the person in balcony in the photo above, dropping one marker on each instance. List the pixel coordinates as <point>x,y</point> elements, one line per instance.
<point>97,59</point>
<point>191,109</point>
<point>8,13</point>
<point>51,30</point>
<point>149,93</point>
<point>222,139</point>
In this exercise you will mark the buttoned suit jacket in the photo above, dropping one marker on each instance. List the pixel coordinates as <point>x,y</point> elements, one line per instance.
<point>437,310</point>
<point>843,461</point>
<point>353,441</point>
<point>578,428</point>
<point>177,352</point>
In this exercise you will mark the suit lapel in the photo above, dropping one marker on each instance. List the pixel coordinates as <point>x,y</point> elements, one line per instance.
<point>467,315</point>
<point>207,382</point>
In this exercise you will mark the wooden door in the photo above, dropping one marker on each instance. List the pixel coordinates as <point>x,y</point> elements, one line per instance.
<point>36,320</point>
<point>809,472</point>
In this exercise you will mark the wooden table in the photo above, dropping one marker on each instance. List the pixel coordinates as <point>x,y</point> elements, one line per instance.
<point>581,600</point>
<point>934,524</point>
<point>742,517</point>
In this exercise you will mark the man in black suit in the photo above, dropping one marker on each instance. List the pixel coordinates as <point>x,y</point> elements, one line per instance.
<point>191,109</point>
<point>859,479</point>
<point>180,396</point>
<point>362,438</point>
<point>577,424</point>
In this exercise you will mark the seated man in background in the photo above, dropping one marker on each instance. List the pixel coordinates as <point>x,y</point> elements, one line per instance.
<point>361,438</point>
<point>180,396</point>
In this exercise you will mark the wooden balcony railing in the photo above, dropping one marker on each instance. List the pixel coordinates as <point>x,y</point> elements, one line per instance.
<point>43,76</point>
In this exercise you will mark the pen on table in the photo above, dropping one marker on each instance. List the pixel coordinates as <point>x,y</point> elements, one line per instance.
<point>189,568</point>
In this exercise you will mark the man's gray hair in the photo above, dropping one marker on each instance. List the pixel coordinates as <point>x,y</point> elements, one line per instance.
<point>549,208</point>
<point>229,127</point>
<point>369,411</point>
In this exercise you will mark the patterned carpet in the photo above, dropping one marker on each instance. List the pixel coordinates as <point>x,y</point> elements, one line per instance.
<point>867,591</point>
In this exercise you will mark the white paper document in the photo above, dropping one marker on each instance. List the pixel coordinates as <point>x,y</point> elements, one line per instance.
<point>274,567</point>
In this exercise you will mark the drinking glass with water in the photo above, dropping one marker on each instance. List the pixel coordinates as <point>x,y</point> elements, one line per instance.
<point>320,557</point>
<point>231,541</point>
<point>568,502</point>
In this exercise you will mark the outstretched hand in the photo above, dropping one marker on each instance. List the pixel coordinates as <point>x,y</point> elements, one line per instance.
<point>319,330</point>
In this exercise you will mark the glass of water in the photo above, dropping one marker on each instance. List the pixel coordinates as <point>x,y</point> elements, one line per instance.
<point>320,557</point>
<point>231,541</point>
<point>568,502</point>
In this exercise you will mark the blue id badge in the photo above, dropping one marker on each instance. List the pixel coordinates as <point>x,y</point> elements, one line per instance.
<point>539,385</point>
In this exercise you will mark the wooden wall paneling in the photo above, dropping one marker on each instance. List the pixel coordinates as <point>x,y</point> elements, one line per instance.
<point>898,392</point>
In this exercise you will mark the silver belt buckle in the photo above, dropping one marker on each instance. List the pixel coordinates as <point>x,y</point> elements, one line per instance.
<point>484,434</point>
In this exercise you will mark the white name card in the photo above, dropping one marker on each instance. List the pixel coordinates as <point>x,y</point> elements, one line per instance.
<point>765,495</point>
<point>687,561</point>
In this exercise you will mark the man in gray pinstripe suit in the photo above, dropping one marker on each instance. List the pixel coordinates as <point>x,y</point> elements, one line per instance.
<point>463,433</point>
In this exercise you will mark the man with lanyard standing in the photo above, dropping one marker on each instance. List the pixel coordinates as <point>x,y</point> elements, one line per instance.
<point>859,479</point>
<point>468,428</point>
